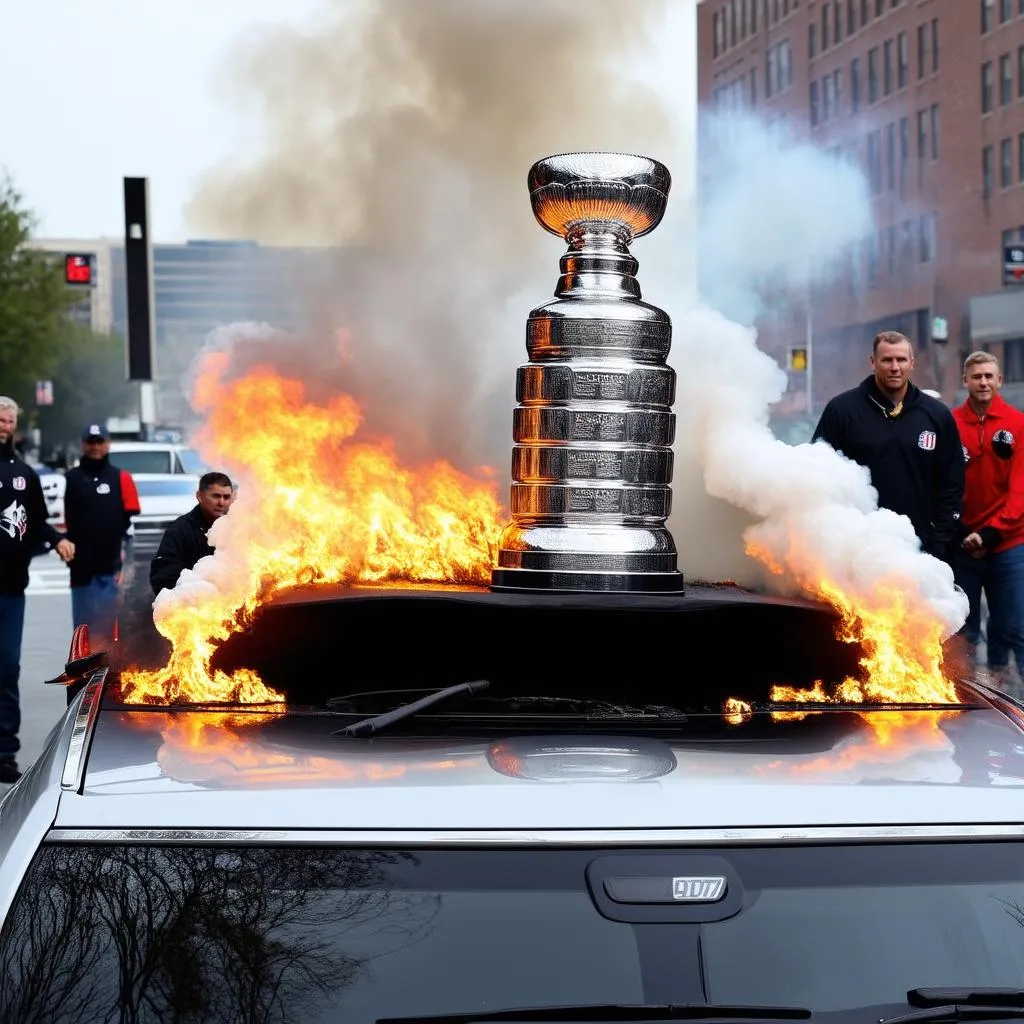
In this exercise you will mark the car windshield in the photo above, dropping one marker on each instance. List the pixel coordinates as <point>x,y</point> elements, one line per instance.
<point>143,460</point>
<point>166,486</point>
<point>154,933</point>
<point>192,462</point>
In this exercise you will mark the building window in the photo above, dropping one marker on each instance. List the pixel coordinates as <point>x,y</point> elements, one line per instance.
<point>865,14</point>
<point>987,158</point>
<point>904,154</point>
<point>716,46</point>
<point>837,78</point>
<point>1005,163</point>
<point>988,15</point>
<point>986,87</point>
<point>812,40</point>
<point>838,21</point>
<point>879,8</point>
<point>814,104</point>
<point>1005,10</point>
<point>753,87</point>
<point>875,161</point>
<point>934,118</point>
<point>928,239</point>
<point>1005,80</point>
<point>851,16</point>
<point>1020,72</point>
<point>890,250</point>
<point>922,49</point>
<point>855,85</point>
<point>778,72</point>
<point>1020,158</point>
<point>827,98</point>
<point>873,74</point>
<point>732,26</point>
<point>753,16</point>
<point>890,155</point>
<point>826,26</point>
<point>901,60</point>
<point>887,65</point>
<point>935,44</point>
<point>922,133</point>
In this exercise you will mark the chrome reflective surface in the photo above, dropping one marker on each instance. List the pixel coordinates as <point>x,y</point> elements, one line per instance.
<point>212,770</point>
<point>81,731</point>
<point>575,837</point>
<point>593,429</point>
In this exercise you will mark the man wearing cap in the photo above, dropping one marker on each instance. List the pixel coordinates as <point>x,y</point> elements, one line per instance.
<point>99,502</point>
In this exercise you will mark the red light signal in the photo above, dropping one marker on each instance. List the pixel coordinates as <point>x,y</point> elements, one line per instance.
<point>77,268</point>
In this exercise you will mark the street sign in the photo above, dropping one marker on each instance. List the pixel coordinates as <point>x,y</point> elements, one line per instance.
<point>940,329</point>
<point>797,359</point>
<point>1013,264</point>
<point>44,392</point>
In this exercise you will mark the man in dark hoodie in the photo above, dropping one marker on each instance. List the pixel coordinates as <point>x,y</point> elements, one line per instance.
<point>184,541</point>
<point>99,502</point>
<point>23,531</point>
<point>907,440</point>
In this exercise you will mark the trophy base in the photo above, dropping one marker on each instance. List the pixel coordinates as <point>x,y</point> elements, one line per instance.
<point>511,580</point>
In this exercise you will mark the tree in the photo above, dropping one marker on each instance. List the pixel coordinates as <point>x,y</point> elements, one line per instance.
<point>33,301</point>
<point>89,386</point>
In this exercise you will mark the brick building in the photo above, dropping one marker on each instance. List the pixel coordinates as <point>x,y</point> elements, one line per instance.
<point>928,97</point>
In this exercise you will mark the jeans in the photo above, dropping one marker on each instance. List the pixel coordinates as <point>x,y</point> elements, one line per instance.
<point>12,622</point>
<point>1001,577</point>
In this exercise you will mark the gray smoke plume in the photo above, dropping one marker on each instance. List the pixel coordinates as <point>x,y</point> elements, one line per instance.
<point>401,132</point>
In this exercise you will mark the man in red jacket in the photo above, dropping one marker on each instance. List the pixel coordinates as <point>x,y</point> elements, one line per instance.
<point>991,556</point>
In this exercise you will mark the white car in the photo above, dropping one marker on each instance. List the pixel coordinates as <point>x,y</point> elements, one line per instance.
<point>162,498</point>
<point>156,457</point>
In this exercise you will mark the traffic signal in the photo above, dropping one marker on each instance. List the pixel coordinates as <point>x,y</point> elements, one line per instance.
<point>797,361</point>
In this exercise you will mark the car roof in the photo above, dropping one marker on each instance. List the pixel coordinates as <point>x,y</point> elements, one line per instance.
<point>185,768</point>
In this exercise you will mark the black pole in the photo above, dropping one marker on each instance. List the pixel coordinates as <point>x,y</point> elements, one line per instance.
<point>138,272</point>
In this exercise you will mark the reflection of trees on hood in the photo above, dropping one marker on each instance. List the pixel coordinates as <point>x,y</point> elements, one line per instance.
<point>182,934</point>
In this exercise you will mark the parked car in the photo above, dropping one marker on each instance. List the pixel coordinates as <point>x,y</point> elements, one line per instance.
<point>54,485</point>
<point>162,498</point>
<point>482,807</point>
<point>156,457</point>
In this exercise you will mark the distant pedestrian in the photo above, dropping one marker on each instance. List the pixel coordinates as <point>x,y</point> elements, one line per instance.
<point>184,541</point>
<point>99,502</point>
<point>23,530</point>
<point>991,558</point>
<point>906,439</point>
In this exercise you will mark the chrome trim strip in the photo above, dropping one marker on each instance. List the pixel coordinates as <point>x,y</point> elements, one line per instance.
<point>81,733</point>
<point>526,837</point>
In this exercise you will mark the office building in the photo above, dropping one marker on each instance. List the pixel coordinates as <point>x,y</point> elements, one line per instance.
<point>927,96</point>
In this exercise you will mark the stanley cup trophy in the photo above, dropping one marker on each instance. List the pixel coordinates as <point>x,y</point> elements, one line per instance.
<point>593,428</point>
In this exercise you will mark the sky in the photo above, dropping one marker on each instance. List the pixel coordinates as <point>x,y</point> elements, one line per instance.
<point>93,92</point>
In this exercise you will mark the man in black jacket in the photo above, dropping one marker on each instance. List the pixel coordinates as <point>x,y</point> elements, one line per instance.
<point>99,502</point>
<point>184,541</point>
<point>907,440</point>
<point>23,531</point>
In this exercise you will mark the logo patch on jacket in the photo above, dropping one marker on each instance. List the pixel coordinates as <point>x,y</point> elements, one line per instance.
<point>14,520</point>
<point>926,440</point>
<point>103,489</point>
<point>18,483</point>
<point>1002,444</point>
<point>967,454</point>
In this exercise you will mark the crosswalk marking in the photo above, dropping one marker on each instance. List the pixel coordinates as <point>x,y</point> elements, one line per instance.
<point>47,574</point>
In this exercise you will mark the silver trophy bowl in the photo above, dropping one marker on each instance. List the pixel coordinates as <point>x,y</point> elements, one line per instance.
<point>593,428</point>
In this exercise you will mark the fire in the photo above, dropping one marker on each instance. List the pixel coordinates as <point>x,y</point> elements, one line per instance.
<point>316,504</point>
<point>216,748</point>
<point>902,640</point>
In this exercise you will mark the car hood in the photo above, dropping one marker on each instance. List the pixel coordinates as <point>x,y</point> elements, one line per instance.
<point>191,769</point>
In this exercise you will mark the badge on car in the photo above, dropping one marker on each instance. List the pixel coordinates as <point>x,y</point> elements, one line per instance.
<point>698,889</point>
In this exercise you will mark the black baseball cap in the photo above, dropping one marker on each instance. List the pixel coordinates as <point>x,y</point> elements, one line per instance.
<point>95,432</point>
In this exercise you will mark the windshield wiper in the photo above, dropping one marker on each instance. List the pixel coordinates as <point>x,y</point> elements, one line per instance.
<point>613,1012</point>
<point>940,1004</point>
<point>369,726</point>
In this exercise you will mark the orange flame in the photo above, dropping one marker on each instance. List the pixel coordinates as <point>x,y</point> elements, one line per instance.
<point>314,506</point>
<point>902,640</point>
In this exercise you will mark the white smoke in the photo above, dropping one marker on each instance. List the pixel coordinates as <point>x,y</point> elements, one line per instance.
<point>779,214</point>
